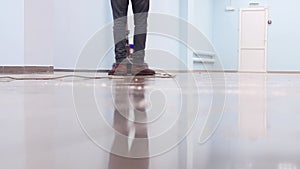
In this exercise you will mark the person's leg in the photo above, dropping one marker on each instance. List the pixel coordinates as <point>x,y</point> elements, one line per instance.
<point>119,9</point>
<point>140,10</point>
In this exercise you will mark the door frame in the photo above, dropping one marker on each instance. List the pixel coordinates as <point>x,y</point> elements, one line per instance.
<point>266,9</point>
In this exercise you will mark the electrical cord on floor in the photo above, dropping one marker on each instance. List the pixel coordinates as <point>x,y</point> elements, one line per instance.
<point>158,75</point>
<point>50,78</point>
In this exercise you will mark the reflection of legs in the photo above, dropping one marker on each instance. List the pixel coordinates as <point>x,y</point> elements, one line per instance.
<point>120,121</point>
<point>139,106</point>
<point>140,144</point>
<point>121,143</point>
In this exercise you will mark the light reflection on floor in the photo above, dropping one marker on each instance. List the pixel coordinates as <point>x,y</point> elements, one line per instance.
<point>137,117</point>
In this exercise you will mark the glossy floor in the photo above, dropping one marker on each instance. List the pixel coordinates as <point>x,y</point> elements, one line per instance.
<point>192,121</point>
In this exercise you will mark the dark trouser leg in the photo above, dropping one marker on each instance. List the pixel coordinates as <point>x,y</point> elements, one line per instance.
<point>140,10</point>
<point>120,8</point>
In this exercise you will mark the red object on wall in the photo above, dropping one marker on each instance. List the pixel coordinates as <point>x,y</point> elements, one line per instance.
<point>270,22</point>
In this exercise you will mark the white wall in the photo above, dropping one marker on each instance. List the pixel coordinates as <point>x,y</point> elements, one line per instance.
<point>201,16</point>
<point>12,32</point>
<point>39,32</point>
<point>74,23</point>
<point>55,31</point>
<point>162,52</point>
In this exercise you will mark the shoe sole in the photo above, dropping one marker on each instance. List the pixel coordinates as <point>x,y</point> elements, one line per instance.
<point>118,74</point>
<point>143,74</point>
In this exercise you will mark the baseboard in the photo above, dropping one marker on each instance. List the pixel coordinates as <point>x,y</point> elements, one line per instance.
<point>50,69</point>
<point>81,70</point>
<point>284,72</point>
<point>158,70</point>
<point>25,69</point>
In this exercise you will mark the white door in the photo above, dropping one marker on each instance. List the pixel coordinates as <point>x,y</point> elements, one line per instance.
<point>253,40</point>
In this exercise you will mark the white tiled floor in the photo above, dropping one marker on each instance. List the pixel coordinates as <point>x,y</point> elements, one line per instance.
<point>194,121</point>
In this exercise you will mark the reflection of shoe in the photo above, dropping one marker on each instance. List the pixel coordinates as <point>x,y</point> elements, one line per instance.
<point>141,70</point>
<point>118,69</point>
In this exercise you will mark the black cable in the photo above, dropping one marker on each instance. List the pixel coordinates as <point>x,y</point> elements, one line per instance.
<point>49,78</point>
<point>158,75</point>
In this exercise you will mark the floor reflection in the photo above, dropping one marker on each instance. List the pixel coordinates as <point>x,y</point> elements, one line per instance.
<point>252,107</point>
<point>259,129</point>
<point>130,118</point>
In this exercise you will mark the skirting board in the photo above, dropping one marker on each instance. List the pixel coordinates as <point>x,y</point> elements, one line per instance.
<point>50,69</point>
<point>25,69</point>
<point>167,71</point>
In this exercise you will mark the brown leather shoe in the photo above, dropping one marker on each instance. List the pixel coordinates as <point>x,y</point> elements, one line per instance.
<point>118,69</point>
<point>141,70</point>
